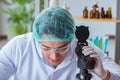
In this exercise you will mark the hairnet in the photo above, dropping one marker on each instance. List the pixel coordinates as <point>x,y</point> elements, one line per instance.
<point>54,24</point>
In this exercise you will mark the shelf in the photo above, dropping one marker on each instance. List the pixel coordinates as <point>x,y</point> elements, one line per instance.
<point>3,37</point>
<point>112,37</point>
<point>78,18</point>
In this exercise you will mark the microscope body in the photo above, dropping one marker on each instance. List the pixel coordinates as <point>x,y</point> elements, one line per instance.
<point>83,62</point>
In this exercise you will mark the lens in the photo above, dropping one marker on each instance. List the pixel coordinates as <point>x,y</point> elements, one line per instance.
<point>60,50</point>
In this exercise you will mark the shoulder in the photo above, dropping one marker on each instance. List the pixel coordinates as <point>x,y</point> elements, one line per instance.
<point>21,39</point>
<point>19,42</point>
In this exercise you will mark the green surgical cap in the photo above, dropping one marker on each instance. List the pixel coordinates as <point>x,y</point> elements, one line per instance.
<point>54,24</point>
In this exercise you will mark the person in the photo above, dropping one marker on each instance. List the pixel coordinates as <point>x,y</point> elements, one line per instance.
<point>48,52</point>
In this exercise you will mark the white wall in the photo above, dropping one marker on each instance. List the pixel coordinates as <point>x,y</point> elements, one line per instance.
<point>3,22</point>
<point>0,25</point>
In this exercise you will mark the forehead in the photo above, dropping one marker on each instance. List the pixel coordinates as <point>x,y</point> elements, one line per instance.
<point>54,44</point>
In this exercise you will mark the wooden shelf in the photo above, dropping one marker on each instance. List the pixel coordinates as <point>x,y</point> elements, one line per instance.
<point>110,36</point>
<point>78,18</point>
<point>3,37</point>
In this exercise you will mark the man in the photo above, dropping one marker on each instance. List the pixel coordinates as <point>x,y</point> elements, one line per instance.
<point>48,53</point>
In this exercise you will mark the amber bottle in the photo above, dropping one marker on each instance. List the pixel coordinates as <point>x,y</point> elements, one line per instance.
<point>102,13</point>
<point>97,14</point>
<point>106,15</point>
<point>85,13</point>
<point>109,12</point>
<point>91,14</point>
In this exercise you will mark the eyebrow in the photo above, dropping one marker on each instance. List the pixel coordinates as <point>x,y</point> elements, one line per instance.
<point>56,47</point>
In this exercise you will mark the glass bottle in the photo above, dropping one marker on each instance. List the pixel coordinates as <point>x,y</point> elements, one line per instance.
<point>106,15</point>
<point>91,14</point>
<point>109,12</point>
<point>66,6</point>
<point>97,14</point>
<point>102,12</point>
<point>85,13</point>
<point>53,3</point>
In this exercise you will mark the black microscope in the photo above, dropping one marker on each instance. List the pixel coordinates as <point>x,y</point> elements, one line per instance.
<point>83,62</point>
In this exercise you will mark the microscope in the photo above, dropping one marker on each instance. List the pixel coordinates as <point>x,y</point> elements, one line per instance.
<point>83,62</point>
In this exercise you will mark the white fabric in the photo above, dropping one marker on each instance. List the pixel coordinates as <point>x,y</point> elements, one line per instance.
<point>22,58</point>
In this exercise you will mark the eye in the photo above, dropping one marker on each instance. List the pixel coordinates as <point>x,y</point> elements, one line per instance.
<point>46,49</point>
<point>61,49</point>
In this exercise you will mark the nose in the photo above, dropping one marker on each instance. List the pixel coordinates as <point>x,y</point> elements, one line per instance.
<point>54,55</point>
<point>54,51</point>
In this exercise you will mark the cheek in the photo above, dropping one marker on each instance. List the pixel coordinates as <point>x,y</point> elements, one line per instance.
<point>45,54</point>
<point>64,56</point>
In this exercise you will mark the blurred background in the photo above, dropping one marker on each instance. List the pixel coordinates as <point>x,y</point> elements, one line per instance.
<point>17,16</point>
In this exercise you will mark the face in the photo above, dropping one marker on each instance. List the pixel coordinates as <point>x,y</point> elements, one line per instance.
<point>54,52</point>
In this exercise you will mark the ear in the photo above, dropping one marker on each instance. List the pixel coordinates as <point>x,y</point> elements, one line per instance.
<point>87,27</point>
<point>77,27</point>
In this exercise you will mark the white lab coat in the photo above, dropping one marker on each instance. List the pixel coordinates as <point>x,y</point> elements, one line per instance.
<point>22,58</point>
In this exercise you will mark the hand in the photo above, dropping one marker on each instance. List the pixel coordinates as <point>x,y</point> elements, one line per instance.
<point>98,69</point>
